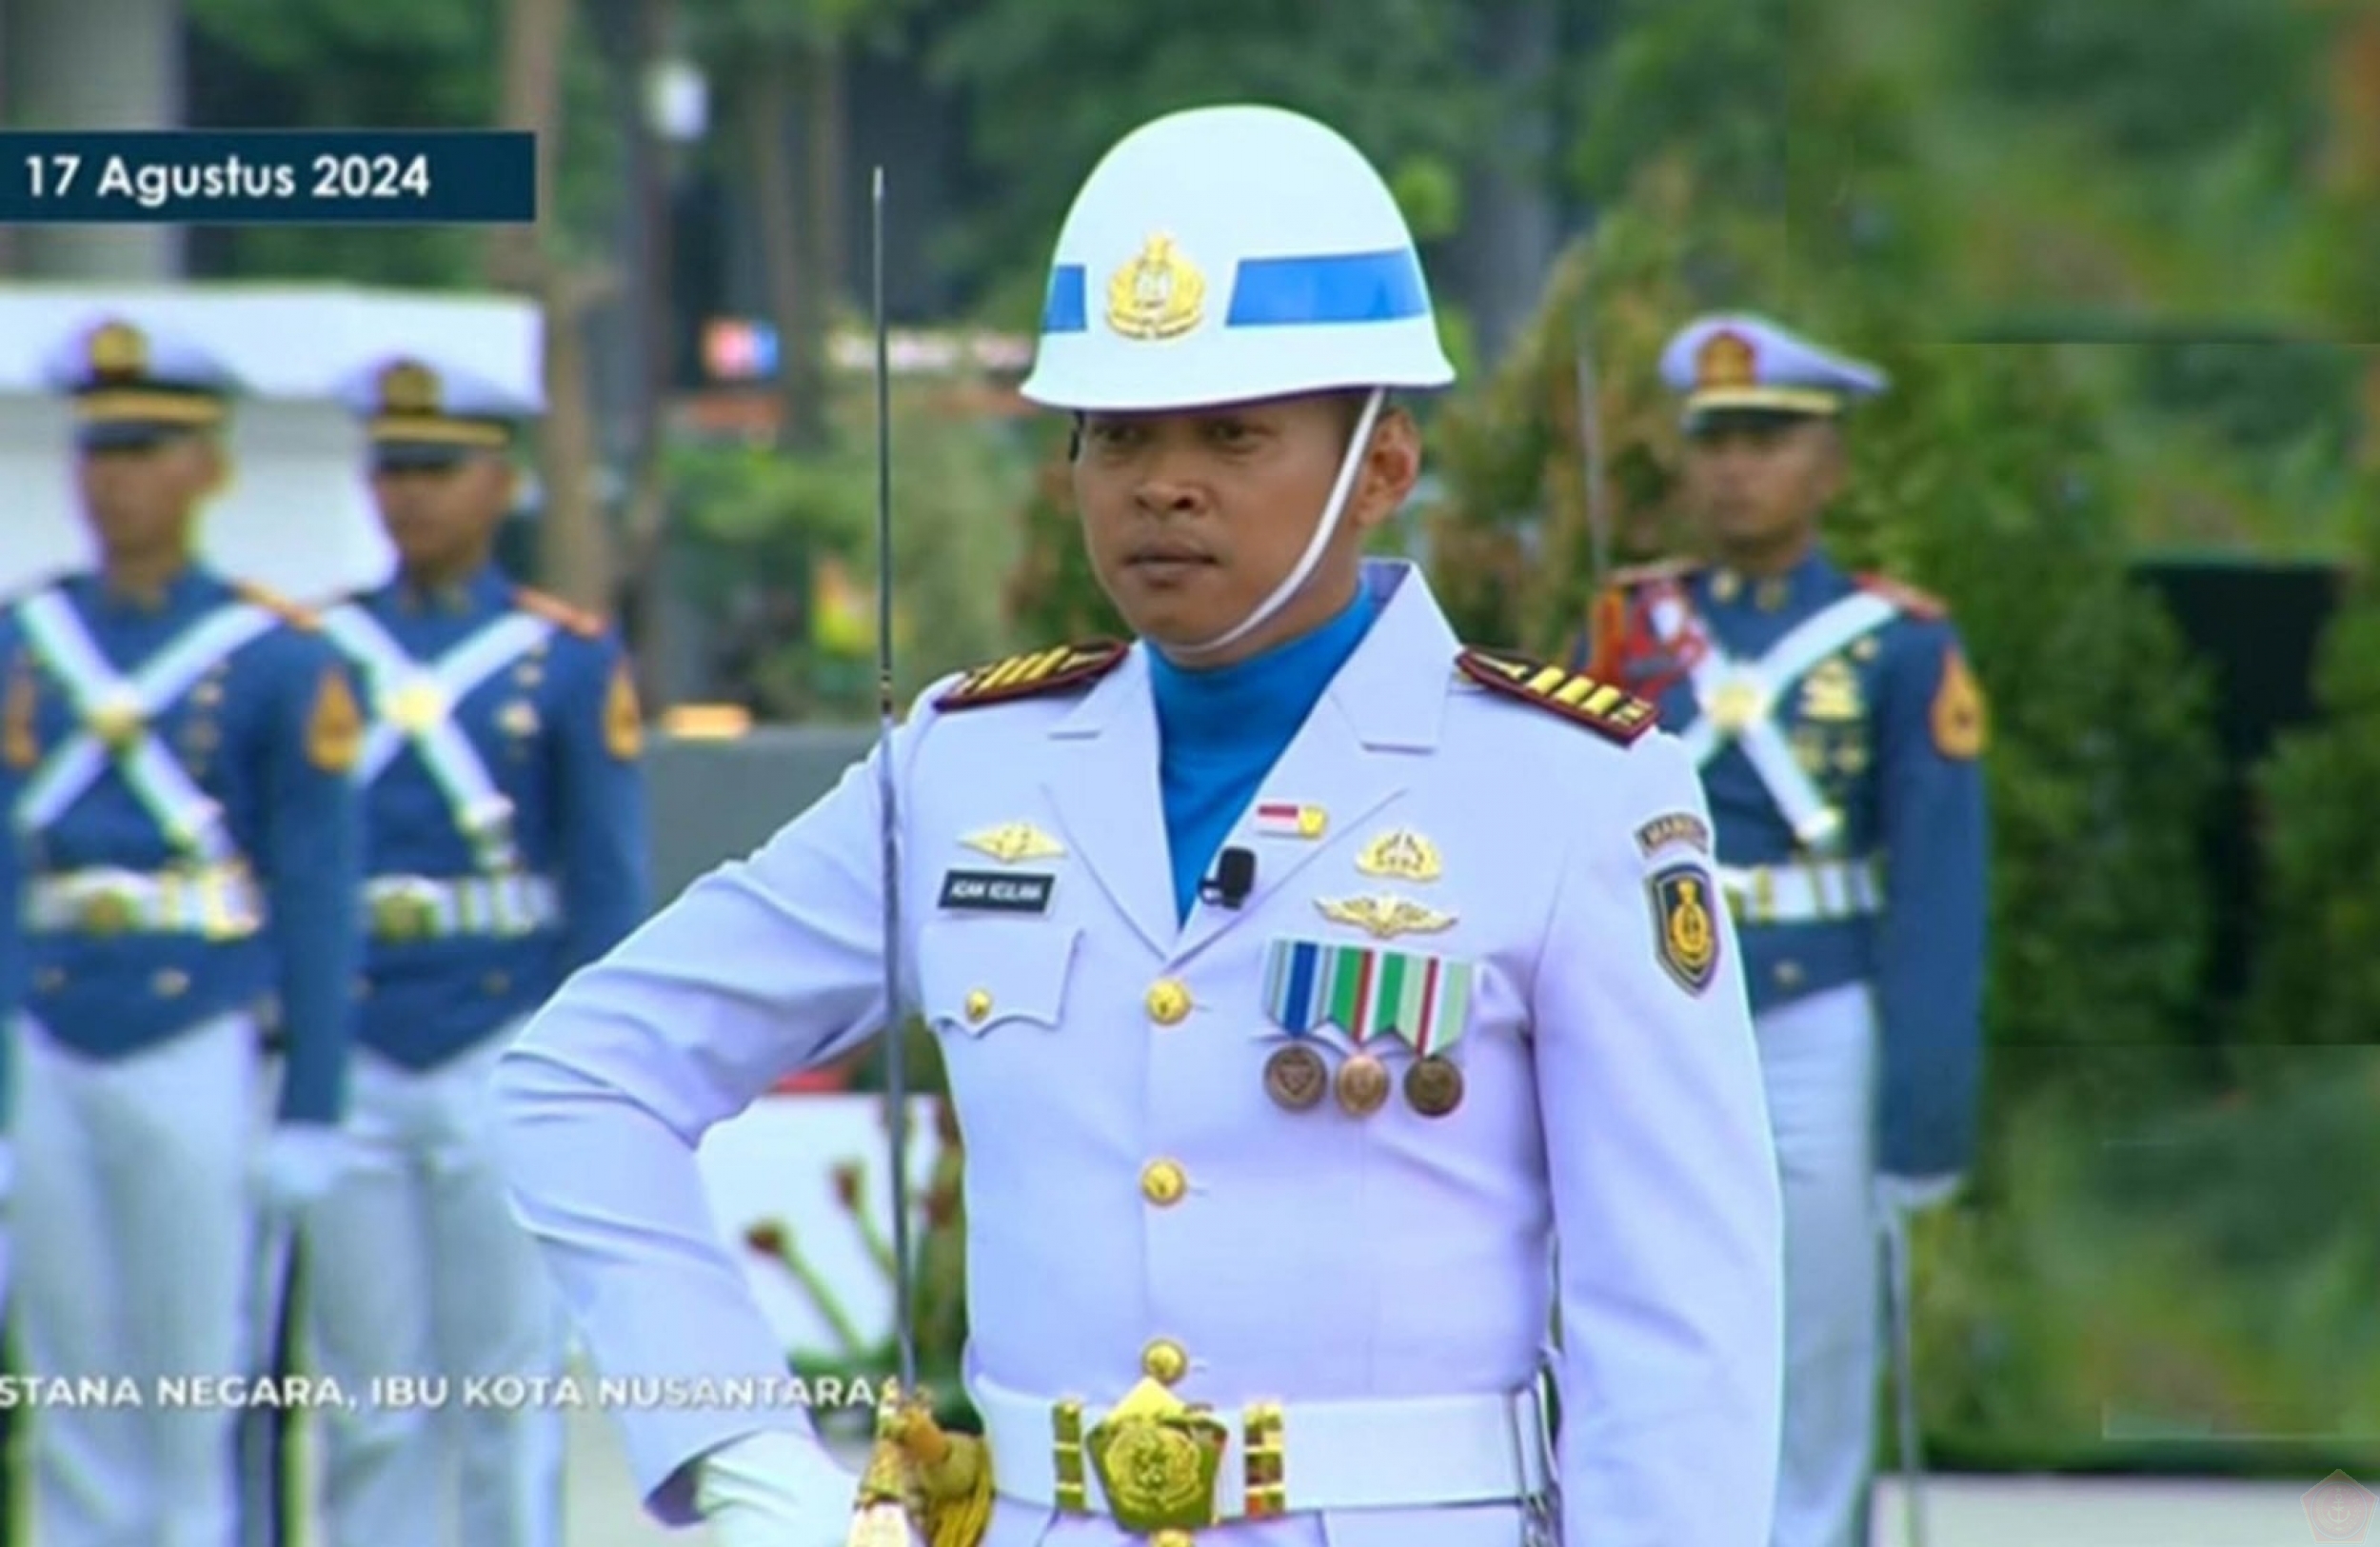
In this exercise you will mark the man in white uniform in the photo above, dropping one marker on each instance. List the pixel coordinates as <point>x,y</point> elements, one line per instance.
<point>1302,977</point>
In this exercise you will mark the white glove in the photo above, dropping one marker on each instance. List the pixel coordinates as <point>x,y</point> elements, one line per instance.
<point>301,1162</point>
<point>775,1488</point>
<point>1906,1196</point>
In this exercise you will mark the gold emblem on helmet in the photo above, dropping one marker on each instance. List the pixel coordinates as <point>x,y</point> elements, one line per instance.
<point>118,351</point>
<point>1159,294</point>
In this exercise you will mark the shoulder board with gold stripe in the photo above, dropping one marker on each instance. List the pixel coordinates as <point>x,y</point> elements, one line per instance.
<point>555,611</point>
<point>1611,712</point>
<point>1908,598</point>
<point>304,620</point>
<point>1034,673</point>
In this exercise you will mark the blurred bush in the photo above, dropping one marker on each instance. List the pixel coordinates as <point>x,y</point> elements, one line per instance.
<point>1980,476</point>
<point>781,552</point>
<point>2191,1293</point>
<point>2317,974</point>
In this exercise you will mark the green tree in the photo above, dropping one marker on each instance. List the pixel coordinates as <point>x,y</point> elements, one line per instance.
<point>758,526</point>
<point>2317,980</point>
<point>782,69</point>
<point>1052,595</point>
<point>1049,85</point>
<point>433,64</point>
<point>1981,476</point>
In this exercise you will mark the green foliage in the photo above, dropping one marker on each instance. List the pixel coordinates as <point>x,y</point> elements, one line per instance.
<point>1053,593</point>
<point>722,31</point>
<point>2050,1330</point>
<point>1051,84</point>
<point>430,63</point>
<point>756,526</point>
<point>1701,77</point>
<point>2317,978</point>
<point>2153,80</point>
<point>1981,476</point>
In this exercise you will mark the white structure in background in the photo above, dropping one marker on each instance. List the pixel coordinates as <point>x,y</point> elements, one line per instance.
<point>775,1165</point>
<point>297,517</point>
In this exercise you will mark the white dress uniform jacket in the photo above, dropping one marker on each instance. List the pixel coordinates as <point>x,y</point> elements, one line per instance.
<point>1387,1279</point>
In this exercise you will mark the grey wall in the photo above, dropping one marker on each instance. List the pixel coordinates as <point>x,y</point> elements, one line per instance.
<point>717,801</point>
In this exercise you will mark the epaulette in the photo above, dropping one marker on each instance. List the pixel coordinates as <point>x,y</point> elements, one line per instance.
<point>1908,598</point>
<point>1645,574</point>
<point>304,619</point>
<point>555,611</point>
<point>1614,713</point>
<point>1034,673</point>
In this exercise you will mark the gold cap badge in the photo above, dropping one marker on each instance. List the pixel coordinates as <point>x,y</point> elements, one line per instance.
<point>118,351</point>
<point>1725,360</point>
<point>1159,294</point>
<point>409,386</point>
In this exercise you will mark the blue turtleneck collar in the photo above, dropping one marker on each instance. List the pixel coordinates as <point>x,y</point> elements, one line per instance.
<point>1266,696</point>
<point>1220,732</point>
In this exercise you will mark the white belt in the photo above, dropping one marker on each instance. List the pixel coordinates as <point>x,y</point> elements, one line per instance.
<point>1806,891</point>
<point>424,907</point>
<point>1384,1452</point>
<point>218,902</point>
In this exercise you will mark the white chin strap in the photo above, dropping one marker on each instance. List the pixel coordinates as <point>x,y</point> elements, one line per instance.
<point>1356,446</point>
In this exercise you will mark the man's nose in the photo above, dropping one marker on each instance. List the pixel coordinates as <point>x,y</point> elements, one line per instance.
<point>1165,484</point>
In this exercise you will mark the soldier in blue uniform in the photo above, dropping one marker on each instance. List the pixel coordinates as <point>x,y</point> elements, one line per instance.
<point>175,753</point>
<point>506,847</point>
<point>1302,975</point>
<point>1840,731</point>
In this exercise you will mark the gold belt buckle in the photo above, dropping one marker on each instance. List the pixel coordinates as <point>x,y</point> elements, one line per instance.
<point>1158,1459</point>
<point>107,910</point>
<point>401,916</point>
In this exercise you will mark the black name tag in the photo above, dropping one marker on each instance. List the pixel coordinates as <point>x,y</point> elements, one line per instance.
<point>996,891</point>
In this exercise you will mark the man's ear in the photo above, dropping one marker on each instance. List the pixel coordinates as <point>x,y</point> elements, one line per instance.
<point>1391,466</point>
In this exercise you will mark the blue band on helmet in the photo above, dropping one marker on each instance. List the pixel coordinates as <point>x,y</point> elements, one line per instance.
<point>1343,288</point>
<point>1282,292</point>
<point>1065,310</point>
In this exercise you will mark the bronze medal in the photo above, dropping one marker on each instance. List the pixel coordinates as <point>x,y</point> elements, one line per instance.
<point>1295,1077</point>
<point>1434,1087</point>
<point>1363,1085</point>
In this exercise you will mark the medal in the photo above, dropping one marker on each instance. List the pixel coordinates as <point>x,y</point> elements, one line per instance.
<point>1434,1087</point>
<point>1295,1077</point>
<point>1363,1085</point>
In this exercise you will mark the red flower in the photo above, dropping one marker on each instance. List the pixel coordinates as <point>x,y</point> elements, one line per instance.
<point>847,1183</point>
<point>768,1238</point>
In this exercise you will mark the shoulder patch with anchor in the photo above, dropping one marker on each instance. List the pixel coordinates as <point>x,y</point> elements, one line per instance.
<point>1908,598</point>
<point>555,611</point>
<point>1034,673</point>
<point>1614,713</point>
<point>302,619</point>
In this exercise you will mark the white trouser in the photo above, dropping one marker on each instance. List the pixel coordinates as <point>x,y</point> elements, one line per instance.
<point>135,1203</point>
<point>415,1267</point>
<point>1818,1056</point>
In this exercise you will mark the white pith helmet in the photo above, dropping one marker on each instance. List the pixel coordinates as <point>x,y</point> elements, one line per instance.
<point>1224,254</point>
<point>1228,254</point>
